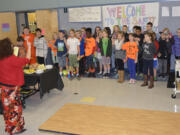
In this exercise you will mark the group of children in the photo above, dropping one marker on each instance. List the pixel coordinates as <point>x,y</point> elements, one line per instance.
<point>80,52</point>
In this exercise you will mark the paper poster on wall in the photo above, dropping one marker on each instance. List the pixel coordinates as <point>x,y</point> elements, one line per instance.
<point>165,11</point>
<point>85,14</point>
<point>131,14</point>
<point>176,11</point>
<point>5,27</point>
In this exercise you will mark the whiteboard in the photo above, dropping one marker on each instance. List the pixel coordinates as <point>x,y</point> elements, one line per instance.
<point>85,14</point>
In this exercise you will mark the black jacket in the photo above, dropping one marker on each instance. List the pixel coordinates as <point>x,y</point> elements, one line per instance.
<point>109,48</point>
<point>163,49</point>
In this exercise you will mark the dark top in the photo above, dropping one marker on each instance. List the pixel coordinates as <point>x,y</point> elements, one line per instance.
<point>61,48</point>
<point>109,48</point>
<point>163,49</point>
<point>148,51</point>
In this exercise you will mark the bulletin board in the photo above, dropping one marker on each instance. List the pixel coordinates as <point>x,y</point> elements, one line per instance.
<point>172,22</point>
<point>85,14</point>
<point>8,26</point>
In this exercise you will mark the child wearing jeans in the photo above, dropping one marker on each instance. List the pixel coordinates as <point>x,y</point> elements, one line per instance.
<point>155,64</point>
<point>149,50</point>
<point>73,46</point>
<point>162,55</point>
<point>131,48</point>
<point>61,52</point>
<point>105,46</point>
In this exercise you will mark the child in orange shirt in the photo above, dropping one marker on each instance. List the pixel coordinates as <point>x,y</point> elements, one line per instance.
<point>90,46</point>
<point>131,48</point>
<point>29,39</point>
<point>54,48</point>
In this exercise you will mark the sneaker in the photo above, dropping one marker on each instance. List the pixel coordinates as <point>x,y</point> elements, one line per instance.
<point>71,77</point>
<point>93,75</point>
<point>133,81</point>
<point>90,75</point>
<point>60,73</point>
<point>104,73</point>
<point>130,81</point>
<point>108,74</point>
<point>99,73</point>
<point>78,77</point>
<point>20,132</point>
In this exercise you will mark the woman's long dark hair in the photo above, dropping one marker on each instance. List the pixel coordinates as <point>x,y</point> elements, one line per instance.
<point>6,49</point>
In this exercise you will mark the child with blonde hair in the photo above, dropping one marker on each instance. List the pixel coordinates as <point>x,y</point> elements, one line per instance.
<point>105,46</point>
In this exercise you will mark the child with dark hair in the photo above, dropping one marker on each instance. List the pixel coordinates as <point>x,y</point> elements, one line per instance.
<point>21,47</point>
<point>41,47</point>
<point>125,30</point>
<point>96,32</point>
<point>108,31</point>
<point>139,37</point>
<point>134,29</point>
<point>90,46</point>
<point>149,27</point>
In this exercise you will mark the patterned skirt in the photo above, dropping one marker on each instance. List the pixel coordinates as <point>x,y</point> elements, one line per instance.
<point>12,109</point>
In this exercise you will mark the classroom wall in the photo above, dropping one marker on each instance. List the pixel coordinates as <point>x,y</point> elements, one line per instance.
<point>171,22</point>
<point>47,20</point>
<point>24,5</point>
<point>11,19</point>
<point>65,24</point>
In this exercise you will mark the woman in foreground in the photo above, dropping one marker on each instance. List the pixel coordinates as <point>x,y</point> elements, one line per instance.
<point>11,79</point>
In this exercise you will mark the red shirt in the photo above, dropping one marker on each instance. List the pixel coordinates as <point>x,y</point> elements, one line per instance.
<point>11,70</point>
<point>157,47</point>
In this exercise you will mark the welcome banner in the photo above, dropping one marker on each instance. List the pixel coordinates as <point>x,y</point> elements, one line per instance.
<point>131,14</point>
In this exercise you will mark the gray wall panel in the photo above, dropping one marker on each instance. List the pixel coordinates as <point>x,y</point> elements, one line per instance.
<point>20,5</point>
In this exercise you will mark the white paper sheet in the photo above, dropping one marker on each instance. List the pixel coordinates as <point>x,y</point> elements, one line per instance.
<point>176,11</point>
<point>165,11</point>
<point>85,14</point>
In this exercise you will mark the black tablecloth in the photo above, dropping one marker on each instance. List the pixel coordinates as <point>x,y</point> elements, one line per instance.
<point>48,80</point>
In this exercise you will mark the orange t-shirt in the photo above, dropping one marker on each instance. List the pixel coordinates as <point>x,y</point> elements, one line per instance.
<point>51,46</point>
<point>30,38</point>
<point>90,45</point>
<point>131,49</point>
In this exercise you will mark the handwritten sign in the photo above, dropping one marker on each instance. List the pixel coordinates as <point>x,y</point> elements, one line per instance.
<point>85,14</point>
<point>131,14</point>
